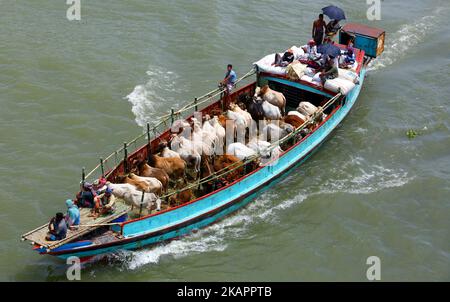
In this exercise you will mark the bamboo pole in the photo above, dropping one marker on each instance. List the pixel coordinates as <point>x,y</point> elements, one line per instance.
<point>102,167</point>
<point>83,176</point>
<point>125,158</point>
<point>163,119</point>
<point>149,142</point>
<point>142,202</point>
<point>95,225</point>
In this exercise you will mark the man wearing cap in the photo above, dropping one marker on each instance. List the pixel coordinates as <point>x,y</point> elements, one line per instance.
<point>85,198</point>
<point>57,228</point>
<point>73,214</point>
<point>311,50</point>
<point>349,58</point>
<point>104,203</point>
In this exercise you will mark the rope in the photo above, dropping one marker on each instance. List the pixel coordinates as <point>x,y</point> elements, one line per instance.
<point>165,118</point>
<point>219,174</point>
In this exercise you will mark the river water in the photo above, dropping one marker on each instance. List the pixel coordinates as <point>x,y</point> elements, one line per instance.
<point>72,91</point>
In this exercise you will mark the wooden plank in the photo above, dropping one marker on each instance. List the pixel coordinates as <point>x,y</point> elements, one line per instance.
<point>38,235</point>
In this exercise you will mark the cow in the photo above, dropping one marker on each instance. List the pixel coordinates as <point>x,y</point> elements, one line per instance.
<point>273,97</point>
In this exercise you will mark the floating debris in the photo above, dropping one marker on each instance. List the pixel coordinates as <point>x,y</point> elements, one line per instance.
<point>411,133</point>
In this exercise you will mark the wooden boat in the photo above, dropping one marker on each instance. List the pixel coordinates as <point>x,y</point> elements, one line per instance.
<point>129,229</point>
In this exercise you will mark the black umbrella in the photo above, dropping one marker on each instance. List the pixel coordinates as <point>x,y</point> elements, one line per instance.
<point>329,49</point>
<point>334,12</point>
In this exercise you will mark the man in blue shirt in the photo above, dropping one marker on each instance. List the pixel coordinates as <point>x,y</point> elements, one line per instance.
<point>230,78</point>
<point>73,214</point>
<point>57,228</point>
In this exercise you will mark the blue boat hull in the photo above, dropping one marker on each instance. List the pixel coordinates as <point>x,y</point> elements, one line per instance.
<point>211,208</point>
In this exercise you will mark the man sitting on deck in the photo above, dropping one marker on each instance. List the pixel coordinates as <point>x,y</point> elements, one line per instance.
<point>73,214</point>
<point>285,60</point>
<point>104,203</point>
<point>85,198</point>
<point>311,50</point>
<point>332,28</point>
<point>57,228</point>
<point>349,58</point>
<point>331,70</point>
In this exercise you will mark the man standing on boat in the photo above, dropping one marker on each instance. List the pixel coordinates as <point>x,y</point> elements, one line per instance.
<point>318,30</point>
<point>230,78</point>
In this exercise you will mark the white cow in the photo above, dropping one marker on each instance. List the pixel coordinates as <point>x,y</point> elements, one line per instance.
<point>220,133</point>
<point>273,97</point>
<point>271,112</point>
<point>274,132</point>
<point>166,152</point>
<point>258,145</point>
<point>264,148</point>
<point>240,150</point>
<point>131,195</point>
<point>247,116</point>
<point>186,150</point>
<point>199,144</point>
<point>209,136</point>
<point>154,185</point>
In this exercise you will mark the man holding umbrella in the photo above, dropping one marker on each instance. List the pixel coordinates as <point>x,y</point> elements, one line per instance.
<point>332,28</point>
<point>336,14</point>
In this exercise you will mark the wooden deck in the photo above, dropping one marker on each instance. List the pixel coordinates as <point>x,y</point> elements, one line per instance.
<point>37,236</point>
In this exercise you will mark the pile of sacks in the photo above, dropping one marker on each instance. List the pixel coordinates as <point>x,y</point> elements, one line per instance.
<point>265,64</point>
<point>344,83</point>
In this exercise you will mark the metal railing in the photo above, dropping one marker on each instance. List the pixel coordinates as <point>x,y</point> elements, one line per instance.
<point>236,165</point>
<point>108,163</point>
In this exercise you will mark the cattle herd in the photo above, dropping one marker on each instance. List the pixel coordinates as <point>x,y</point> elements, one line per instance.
<point>207,145</point>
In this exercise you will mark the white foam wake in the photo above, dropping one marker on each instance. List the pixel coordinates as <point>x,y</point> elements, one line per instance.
<point>408,36</point>
<point>368,180</point>
<point>149,99</point>
<point>266,209</point>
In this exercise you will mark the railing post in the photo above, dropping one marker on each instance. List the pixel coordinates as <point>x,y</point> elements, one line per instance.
<point>148,133</point>
<point>125,158</point>
<point>142,201</point>
<point>102,167</point>
<point>222,100</point>
<point>83,176</point>
<point>172,118</point>
<point>149,145</point>
<point>196,107</point>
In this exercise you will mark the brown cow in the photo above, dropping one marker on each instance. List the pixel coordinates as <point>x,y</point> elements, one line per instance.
<point>141,168</point>
<point>221,163</point>
<point>181,197</point>
<point>175,167</point>
<point>140,185</point>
